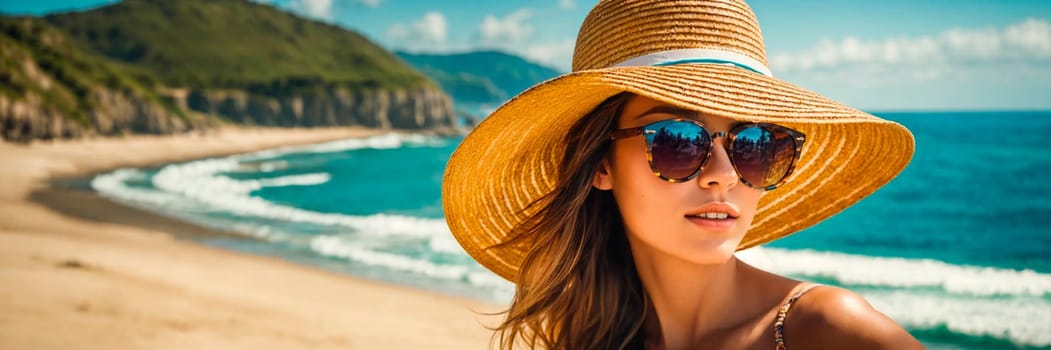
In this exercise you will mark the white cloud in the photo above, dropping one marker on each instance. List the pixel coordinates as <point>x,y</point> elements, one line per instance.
<point>1032,35</point>
<point>432,26</point>
<point>567,4</point>
<point>318,9</point>
<point>1027,43</point>
<point>514,34</point>
<point>557,55</point>
<point>505,32</point>
<point>960,68</point>
<point>429,33</point>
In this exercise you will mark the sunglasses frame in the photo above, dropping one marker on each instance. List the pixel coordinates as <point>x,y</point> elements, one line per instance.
<point>797,137</point>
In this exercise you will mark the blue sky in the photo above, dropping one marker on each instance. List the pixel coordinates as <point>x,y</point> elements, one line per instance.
<point>874,55</point>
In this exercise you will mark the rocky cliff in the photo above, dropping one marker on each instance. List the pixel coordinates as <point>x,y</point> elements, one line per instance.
<point>29,118</point>
<point>413,109</point>
<point>115,113</point>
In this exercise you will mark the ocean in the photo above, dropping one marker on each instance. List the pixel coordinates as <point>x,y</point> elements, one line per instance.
<point>957,249</point>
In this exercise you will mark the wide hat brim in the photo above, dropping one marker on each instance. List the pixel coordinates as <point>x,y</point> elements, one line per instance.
<point>511,158</point>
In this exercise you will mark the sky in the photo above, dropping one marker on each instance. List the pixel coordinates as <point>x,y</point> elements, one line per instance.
<point>890,55</point>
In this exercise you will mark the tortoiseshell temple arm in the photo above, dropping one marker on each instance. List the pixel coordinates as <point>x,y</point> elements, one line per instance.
<point>626,133</point>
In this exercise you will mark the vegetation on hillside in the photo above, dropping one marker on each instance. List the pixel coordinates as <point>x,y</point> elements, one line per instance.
<point>39,61</point>
<point>234,44</point>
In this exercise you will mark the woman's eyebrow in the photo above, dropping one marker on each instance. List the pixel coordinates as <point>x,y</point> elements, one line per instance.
<point>684,113</point>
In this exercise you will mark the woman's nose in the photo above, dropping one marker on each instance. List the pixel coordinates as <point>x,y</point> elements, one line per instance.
<point>718,171</point>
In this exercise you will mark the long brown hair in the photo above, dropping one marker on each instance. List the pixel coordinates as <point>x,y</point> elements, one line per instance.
<point>577,287</point>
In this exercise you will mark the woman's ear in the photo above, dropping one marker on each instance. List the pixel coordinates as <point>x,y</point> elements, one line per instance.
<point>603,180</point>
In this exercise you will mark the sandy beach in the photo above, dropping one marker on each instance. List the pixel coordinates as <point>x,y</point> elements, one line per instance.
<point>78,271</point>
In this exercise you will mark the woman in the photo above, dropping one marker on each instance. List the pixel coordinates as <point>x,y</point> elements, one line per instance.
<point>615,196</point>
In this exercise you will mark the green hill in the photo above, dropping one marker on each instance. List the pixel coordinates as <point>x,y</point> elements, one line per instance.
<point>483,76</point>
<point>233,44</point>
<point>165,66</point>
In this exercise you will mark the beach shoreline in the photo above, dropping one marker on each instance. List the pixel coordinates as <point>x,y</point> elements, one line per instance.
<point>88,205</point>
<point>77,269</point>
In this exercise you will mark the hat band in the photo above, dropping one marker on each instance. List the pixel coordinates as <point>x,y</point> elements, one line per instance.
<point>703,56</point>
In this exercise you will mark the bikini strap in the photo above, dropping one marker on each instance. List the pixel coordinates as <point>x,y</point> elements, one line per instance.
<point>779,323</point>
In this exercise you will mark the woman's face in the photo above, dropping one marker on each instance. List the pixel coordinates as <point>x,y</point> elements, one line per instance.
<point>660,217</point>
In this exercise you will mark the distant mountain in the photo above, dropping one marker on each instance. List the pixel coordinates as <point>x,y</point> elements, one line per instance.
<point>480,77</point>
<point>164,66</point>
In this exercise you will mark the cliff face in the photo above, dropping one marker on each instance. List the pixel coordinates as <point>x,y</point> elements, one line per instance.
<point>27,119</point>
<point>118,114</point>
<point>414,109</point>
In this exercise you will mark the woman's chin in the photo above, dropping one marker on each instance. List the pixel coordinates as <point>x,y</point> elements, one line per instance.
<point>710,253</point>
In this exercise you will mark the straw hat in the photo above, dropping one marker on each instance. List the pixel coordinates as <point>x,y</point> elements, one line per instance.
<point>706,56</point>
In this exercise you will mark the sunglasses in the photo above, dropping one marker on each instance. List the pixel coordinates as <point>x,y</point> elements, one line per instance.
<point>763,155</point>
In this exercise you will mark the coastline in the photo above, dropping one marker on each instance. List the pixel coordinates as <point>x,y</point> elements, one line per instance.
<point>79,270</point>
<point>87,205</point>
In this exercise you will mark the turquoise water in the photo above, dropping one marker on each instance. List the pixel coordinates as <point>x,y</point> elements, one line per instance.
<point>955,249</point>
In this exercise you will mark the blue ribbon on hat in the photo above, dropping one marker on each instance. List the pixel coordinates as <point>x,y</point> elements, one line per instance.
<point>698,56</point>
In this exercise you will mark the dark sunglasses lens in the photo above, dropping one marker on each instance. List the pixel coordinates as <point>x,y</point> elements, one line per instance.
<point>678,148</point>
<point>763,155</point>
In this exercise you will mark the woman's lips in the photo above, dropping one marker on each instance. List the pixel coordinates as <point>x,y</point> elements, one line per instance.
<point>715,207</point>
<point>713,224</point>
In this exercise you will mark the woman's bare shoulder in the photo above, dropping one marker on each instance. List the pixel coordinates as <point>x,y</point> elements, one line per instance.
<point>835,318</point>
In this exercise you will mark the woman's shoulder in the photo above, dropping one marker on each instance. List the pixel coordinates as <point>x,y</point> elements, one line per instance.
<point>828,317</point>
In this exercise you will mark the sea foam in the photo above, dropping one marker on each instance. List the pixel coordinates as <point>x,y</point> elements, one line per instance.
<point>113,185</point>
<point>860,270</point>
<point>1020,320</point>
<point>1011,305</point>
<point>472,273</point>
<point>201,182</point>
<point>385,141</point>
